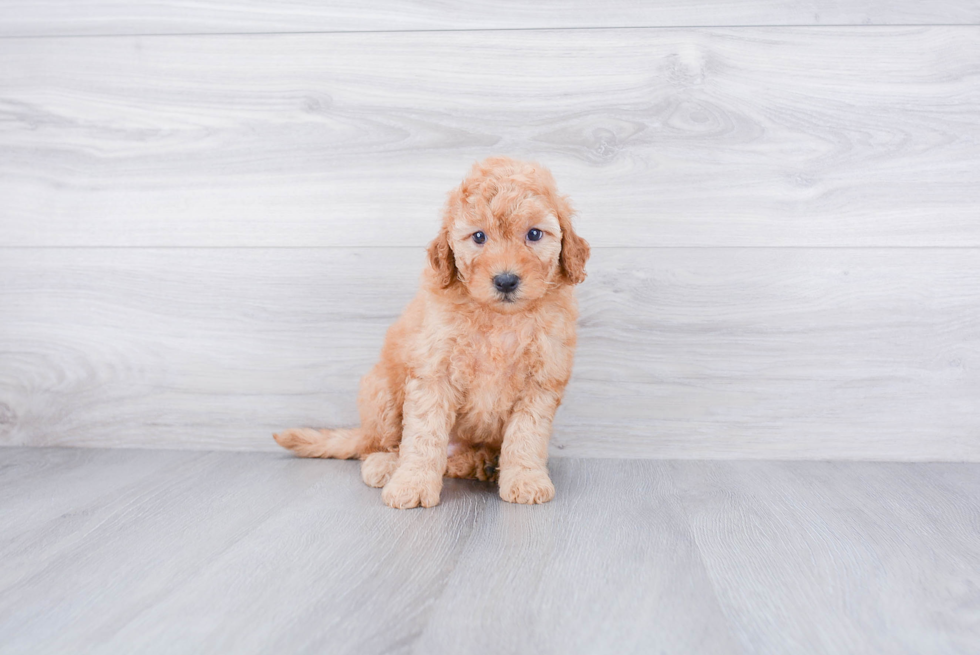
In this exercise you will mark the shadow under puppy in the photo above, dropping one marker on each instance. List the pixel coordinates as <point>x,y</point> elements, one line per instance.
<point>472,373</point>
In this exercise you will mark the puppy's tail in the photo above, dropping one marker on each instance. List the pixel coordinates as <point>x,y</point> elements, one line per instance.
<point>337,444</point>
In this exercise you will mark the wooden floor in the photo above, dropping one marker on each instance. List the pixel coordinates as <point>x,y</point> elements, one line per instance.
<point>132,551</point>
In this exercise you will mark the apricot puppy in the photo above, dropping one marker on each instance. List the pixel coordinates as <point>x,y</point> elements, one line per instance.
<point>471,374</point>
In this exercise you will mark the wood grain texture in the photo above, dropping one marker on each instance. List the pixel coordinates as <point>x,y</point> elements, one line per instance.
<point>729,353</point>
<point>259,553</point>
<point>677,137</point>
<point>841,558</point>
<point>35,490</point>
<point>64,17</point>
<point>616,526</point>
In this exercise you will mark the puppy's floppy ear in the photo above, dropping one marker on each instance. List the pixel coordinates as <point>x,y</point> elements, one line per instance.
<point>574,249</point>
<point>441,258</point>
<point>574,254</point>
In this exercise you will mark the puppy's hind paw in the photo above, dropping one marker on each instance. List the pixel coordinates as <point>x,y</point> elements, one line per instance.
<point>377,468</point>
<point>526,486</point>
<point>472,464</point>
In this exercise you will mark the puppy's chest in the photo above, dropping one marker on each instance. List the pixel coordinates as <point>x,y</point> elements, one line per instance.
<point>491,361</point>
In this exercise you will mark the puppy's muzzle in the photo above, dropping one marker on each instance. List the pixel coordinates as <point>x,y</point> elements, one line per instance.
<point>506,283</point>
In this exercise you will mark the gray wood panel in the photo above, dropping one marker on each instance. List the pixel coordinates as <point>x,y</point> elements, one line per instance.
<point>34,491</point>
<point>763,353</point>
<point>65,17</point>
<point>636,567</point>
<point>259,553</point>
<point>854,558</point>
<point>676,137</point>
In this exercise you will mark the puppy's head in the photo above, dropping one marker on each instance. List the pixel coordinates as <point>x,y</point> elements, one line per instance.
<point>507,236</point>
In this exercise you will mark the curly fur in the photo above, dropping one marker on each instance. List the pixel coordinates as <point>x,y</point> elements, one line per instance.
<point>469,379</point>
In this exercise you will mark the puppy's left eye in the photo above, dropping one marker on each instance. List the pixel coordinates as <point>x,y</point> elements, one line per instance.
<point>534,234</point>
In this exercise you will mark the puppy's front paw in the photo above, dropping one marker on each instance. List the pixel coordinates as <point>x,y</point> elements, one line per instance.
<point>405,491</point>
<point>526,486</point>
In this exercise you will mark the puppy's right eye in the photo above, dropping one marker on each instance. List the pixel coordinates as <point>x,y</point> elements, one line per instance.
<point>479,237</point>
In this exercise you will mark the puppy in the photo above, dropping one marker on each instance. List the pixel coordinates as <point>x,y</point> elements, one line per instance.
<point>472,373</point>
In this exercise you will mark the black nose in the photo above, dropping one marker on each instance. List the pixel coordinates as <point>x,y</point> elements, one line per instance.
<point>506,282</point>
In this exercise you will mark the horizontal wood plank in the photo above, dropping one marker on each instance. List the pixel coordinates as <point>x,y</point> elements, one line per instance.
<point>677,137</point>
<point>774,353</point>
<point>64,17</point>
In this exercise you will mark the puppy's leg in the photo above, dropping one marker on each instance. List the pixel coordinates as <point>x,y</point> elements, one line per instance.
<point>524,454</point>
<point>428,417</point>
<point>473,463</point>
<point>379,403</point>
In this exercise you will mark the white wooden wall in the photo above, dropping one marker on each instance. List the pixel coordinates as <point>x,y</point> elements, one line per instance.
<point>210,212</point>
